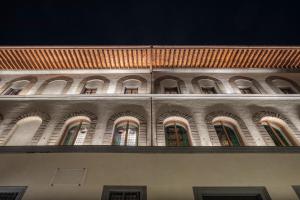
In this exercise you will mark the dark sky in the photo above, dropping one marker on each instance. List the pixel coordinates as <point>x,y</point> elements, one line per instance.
<point>209,22</point>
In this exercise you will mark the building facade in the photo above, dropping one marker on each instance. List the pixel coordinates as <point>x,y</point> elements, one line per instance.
<point>149,123</point>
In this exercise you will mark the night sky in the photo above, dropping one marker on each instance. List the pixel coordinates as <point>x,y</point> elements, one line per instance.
<point>183,22</point>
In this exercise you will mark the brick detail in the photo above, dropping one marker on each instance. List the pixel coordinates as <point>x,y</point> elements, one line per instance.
<point>142,89</point>
<point>4,137</point>
<point>57,132</point>
<point>102,78</point>
<point>108,135</point>
<point>247,137</point>
<point>65,78</point>
<point>254,82</point>
<point>160,132</point>
<point>25,90</point>
<point>277,90</point>
<point>268,140</point>
<point>180,83</point>
<point>220,87</point>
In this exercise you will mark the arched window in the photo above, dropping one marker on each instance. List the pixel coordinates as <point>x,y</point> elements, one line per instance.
<point>23,131</point>
<point>131,86</point>
<point>227,133</point>
<point>16,87</point>
<point>282,85</point>
<point>176,132</point>
<point>126,132</point>
<point>93,87</point>
<point>170,86</point>
<point>278,131</point>
<point>75,131</point>
<point>55,87</point>
<point>246,85</point>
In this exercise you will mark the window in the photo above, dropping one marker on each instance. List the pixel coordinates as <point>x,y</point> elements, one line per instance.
<point>172,90</point>
<point>246,90</point>
<point>124,193</point>
<point>126,133</point>
<point>277,133</point>
<point>12,91</point>
<point>227,134</point>
<point>23,131</point>
<point>89,90</point>
<point>176,134</point>
<point>297,190</point>
<point>287,90</point>
<point>16,87</point>
<point>231,193</point>
<point>11,193</point>
<point>74,132</point>
<point>209,90</point>
<point>131,90</point>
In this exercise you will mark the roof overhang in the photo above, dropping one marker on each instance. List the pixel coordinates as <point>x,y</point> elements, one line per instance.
<point>148,57</point>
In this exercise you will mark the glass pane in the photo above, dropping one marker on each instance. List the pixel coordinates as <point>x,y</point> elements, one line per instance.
<point>132,134</point>
<point>255,197</point>
<point>278,136</point>
<point>232,136</point>
<point>12,91</point>
<point>246,90</point>
<point>89,91</point>
<point>170,133</point>
<point>287,90</point>
<point>132,196</point>
<point>182,136</point>
<point>8,195</point>
<point>131,91</point>
<point>209,90</point>
<point>71,134</point>
<point>116,196</point>
<point>120,134</point>
<point>222,135</point>
<point>173,90</point>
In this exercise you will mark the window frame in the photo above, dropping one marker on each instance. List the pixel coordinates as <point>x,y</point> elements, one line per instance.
<point>128,121</point>
<point>131,89</point>
<point>172,88</point>
<point>177,123</point>
<point>14,189</point>
<point>199,192</point>
<point>297,190</point>
<point>85,89</point>
<point>110,188</point>
<point>235,129</point>
<point>65,131</point>
<point>205,90</point>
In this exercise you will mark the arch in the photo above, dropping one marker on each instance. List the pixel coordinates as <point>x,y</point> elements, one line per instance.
<point>177,132</point>
<point>218,85</point>
<point>59,129</point>
<point>68,80</point>
<point>90,78</point>
<point>126,131</point>
<point>290,128</point>
<point>7,133</point>
<point>270,81</point>
<point>242,129</point>
<point>74,130</point>
<point>253,85</point>
<point>180,84</point>
<point>142,88</point>
<point>184,118</point>
<point>142,137</point>
<point>31,79</point>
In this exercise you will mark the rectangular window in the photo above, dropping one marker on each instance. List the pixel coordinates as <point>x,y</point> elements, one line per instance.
<point>287,90</point>
<point>12,91</point>
<point>297,190</point>
<point>131,91</point>
<point>11,193</point>
<point>246,90</point>
<point>209,90</point>
<point>231,193</point>
<point>173,90</point>
<point>124,193</point>
<point>89,91</point>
